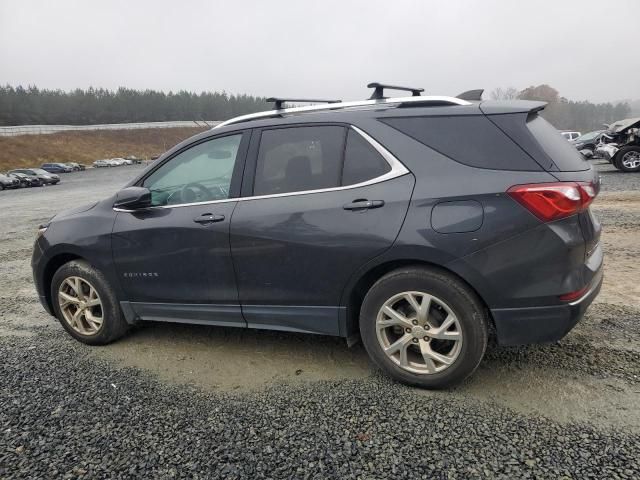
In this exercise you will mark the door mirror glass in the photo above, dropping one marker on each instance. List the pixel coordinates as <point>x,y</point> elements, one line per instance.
<point>132,198</point>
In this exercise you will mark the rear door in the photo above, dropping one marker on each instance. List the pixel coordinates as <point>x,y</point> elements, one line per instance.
<point>321,200</point>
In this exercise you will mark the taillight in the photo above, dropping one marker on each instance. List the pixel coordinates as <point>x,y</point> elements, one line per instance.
<point>552,201</point>
<point>571,296</point>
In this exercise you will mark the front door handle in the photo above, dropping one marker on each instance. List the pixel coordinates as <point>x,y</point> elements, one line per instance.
<point>207,218</point>
<point>362,204</point>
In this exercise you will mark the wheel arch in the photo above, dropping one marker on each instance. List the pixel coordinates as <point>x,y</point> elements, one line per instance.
<point>358,288</point>
<point>49,271</point>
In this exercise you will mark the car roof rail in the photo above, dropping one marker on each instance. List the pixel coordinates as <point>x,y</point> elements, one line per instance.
<point>378,92</point>
<point>279,102</point>
<point>416,100</point>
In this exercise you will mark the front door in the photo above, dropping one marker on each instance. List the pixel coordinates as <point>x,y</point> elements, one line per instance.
<point>173,259</point>
<point>319,210</point>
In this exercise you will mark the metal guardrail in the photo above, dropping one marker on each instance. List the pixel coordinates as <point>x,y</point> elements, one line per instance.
<point>46,129</point>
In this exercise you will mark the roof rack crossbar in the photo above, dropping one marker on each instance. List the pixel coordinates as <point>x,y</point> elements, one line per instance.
<point>279,102</point>
<point>378,92</point>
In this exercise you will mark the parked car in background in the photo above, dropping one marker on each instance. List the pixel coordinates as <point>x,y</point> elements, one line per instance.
<point>621,144</point>
<point>102,164</point>
<point>588,141</point>
<point>134,159</point>
<point>26,180</point>
<point>56,168</point>
<point>45,177</point>
<point>378,223</point>
<point>76,167</point>
<point>8,182</point>
<point>570,135</point>
<point>121,161</point>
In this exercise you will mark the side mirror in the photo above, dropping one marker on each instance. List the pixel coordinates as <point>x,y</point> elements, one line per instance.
<point>132,198</point>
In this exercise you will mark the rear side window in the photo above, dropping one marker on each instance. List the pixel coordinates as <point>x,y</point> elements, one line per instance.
<point>362,162</point>
<point>563,153</point>
<point>299,158</point>
<point>471,140</point>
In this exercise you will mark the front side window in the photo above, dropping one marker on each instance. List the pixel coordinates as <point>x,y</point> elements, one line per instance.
<point>299,158</point>
<point>200,174</point>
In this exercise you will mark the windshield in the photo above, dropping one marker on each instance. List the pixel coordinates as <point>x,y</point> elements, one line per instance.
<point>588,136</point>
<point>39,171</point>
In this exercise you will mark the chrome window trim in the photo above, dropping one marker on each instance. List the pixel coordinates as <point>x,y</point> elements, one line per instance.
<point>343,105</point>
<point>397,170</point>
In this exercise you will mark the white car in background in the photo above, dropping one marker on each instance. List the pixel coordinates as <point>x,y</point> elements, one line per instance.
<point>570,135</point>
<point>102,163</point>
<point>118,162</point>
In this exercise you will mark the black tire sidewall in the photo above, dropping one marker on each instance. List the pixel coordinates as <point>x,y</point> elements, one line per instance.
<point>462,301</point>
<point>113,325</point>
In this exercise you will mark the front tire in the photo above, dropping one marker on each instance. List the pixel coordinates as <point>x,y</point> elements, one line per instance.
<point>424,327</point>
<point>86,305</point>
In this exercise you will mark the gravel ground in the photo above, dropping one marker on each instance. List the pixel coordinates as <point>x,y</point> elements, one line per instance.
<point>180,401</point>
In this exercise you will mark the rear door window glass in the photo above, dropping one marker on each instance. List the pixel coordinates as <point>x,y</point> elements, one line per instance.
<point>296,159</point>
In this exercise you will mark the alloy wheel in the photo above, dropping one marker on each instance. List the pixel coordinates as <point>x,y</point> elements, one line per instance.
<point>631,160</point>
<point>419,332</point>
<point>80,305</point>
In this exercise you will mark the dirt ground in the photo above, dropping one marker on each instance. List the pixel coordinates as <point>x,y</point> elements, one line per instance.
<point>591,377</point>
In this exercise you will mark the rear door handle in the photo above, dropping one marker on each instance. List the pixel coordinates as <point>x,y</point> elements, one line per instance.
<point>207,218</point>
<point>362,204</point>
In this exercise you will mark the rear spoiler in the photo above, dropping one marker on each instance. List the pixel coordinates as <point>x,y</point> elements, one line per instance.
<point>493,107</point>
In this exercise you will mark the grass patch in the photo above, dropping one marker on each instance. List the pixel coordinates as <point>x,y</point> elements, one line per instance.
<point>87,146</point>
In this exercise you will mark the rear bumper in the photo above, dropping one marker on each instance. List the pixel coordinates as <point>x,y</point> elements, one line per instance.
<point>520,326</point>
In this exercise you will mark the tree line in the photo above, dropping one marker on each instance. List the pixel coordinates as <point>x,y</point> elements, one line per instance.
<point>33,106</point>
<point>567,114</point>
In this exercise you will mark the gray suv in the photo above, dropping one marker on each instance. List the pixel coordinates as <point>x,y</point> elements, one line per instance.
<point>418,224</point>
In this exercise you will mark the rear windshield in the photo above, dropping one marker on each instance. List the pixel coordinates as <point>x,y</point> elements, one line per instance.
<point>563,153</point>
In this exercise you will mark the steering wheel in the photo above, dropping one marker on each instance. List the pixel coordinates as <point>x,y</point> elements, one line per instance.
<point>194,192</point>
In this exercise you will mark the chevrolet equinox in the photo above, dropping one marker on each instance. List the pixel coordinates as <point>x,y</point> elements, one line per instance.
<point>418,224</point>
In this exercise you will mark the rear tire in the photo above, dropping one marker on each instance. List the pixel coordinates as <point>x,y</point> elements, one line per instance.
<point>628,159</point>
<point>393,313</point>
<point>92,316</point>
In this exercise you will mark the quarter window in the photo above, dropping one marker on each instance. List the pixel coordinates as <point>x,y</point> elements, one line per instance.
<point>362,162</point>
<point>200,174</point>
<point>299,158</point>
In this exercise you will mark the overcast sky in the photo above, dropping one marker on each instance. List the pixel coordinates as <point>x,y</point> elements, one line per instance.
<point>585,49</point>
